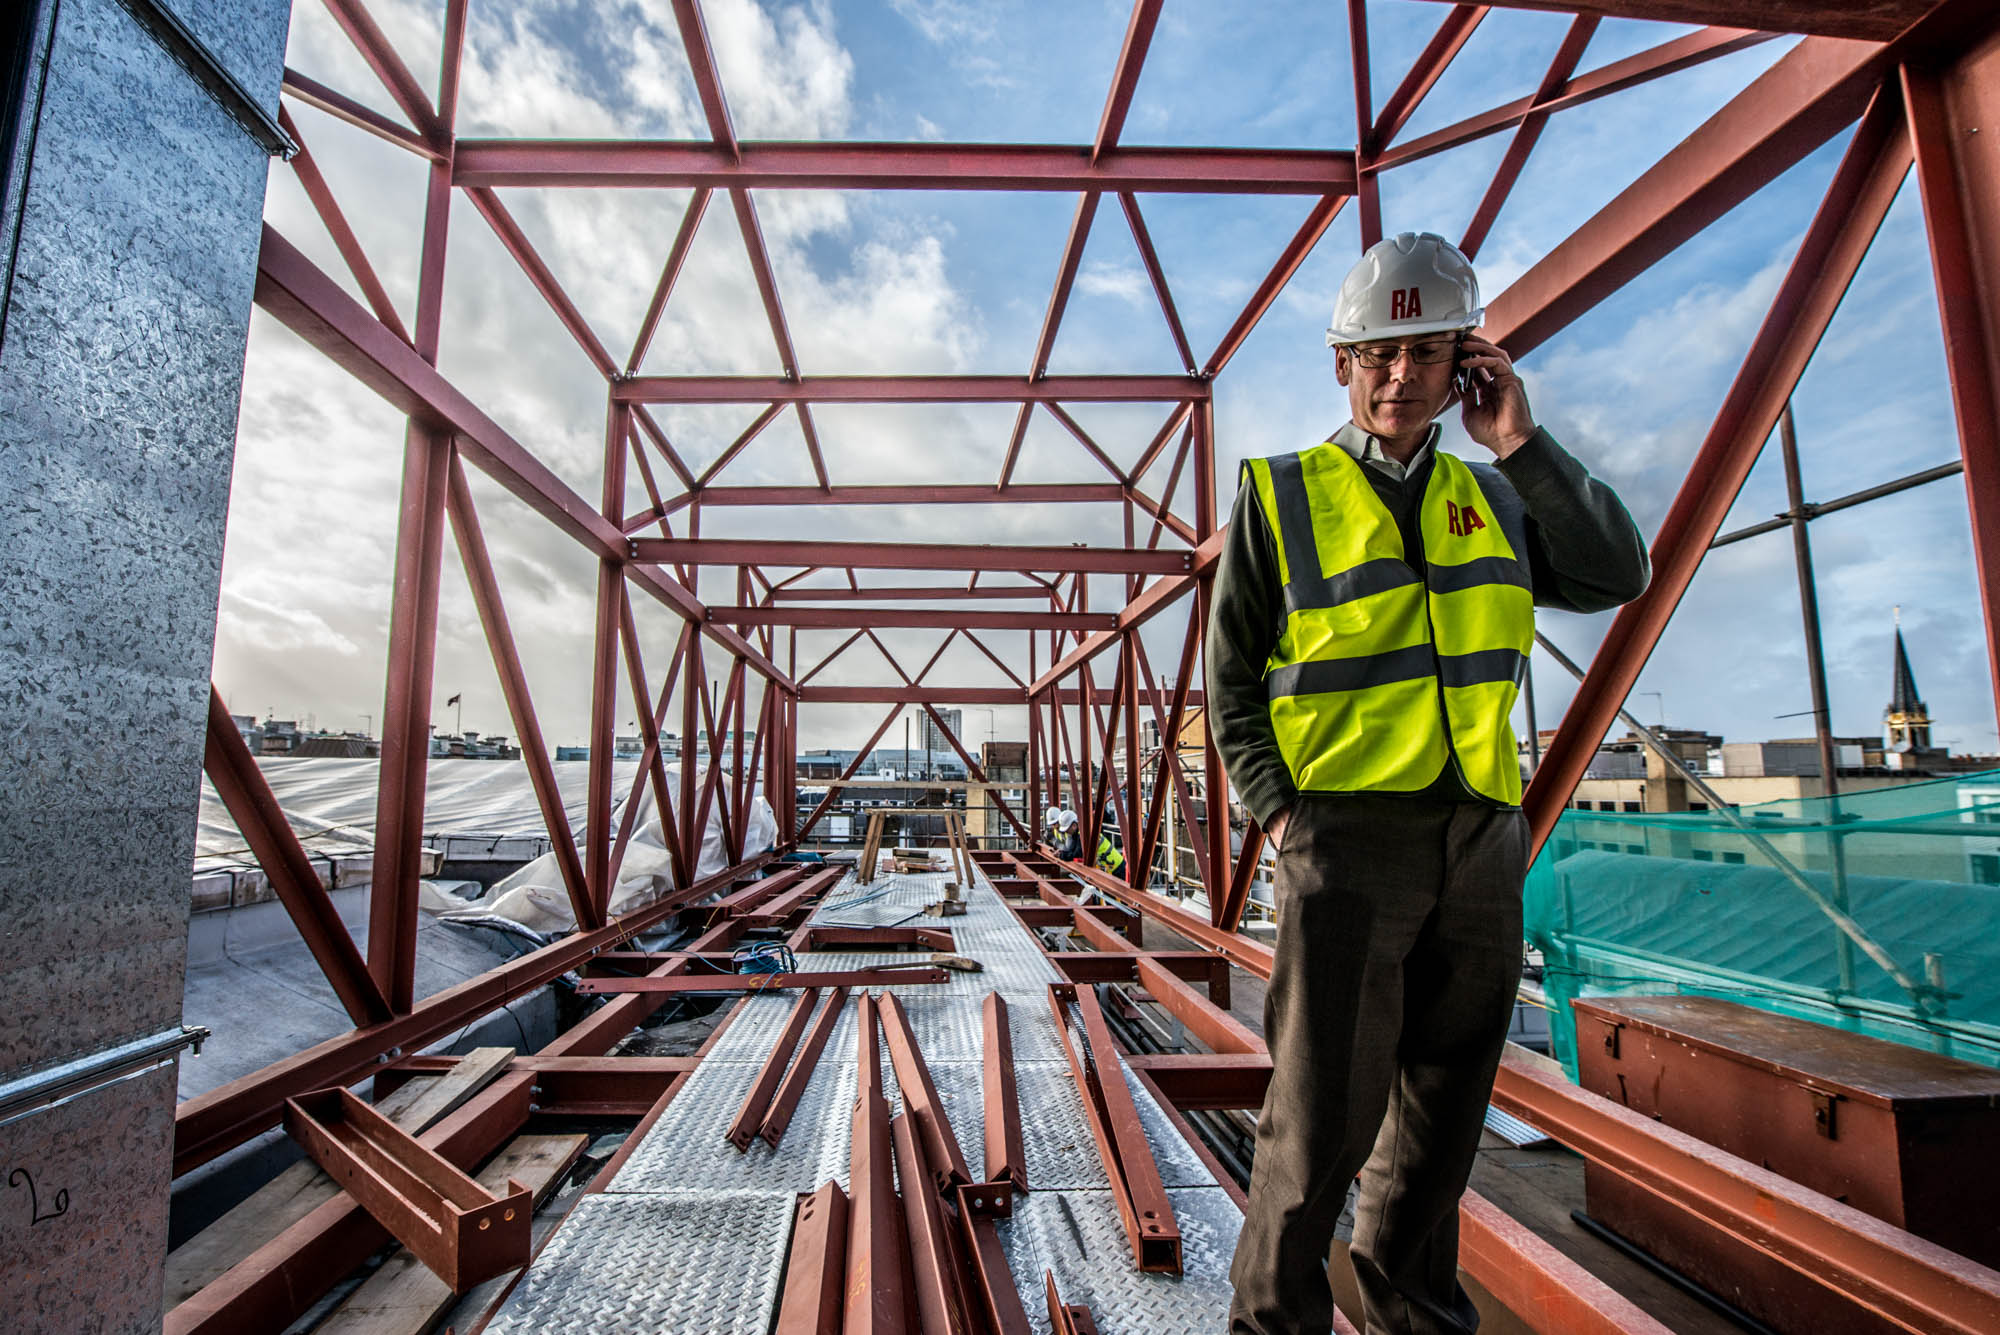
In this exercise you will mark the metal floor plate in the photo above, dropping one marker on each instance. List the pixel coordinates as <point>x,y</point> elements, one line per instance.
<point>679,1261</point>
<point>692,1235</point>
<point>686,1149</point>
<point>1077,1234</point>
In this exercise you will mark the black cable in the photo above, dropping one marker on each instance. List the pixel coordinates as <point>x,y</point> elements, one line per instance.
<point>1713,1301</point>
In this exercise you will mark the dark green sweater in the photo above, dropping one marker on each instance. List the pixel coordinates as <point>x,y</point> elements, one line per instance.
<point>1584,555</point>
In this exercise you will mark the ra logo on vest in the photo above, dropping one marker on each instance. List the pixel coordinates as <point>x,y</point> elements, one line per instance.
<point>1461,519</point>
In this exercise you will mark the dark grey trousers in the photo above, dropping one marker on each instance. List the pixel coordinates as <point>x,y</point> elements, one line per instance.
<point>1398,956</point>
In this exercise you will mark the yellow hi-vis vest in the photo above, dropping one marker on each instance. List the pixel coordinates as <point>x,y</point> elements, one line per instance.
<point>1379,676</point>
<point>1108,857</point>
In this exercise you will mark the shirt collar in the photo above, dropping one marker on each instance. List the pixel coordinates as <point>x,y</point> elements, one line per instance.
<point>1365,447</point>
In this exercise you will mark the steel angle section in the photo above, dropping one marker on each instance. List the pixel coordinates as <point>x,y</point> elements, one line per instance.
<point>758,1021</point>
<point>1066,1318</point>
<point>757,1100</point>
<point>707,1261</point>
<point>878,1275</point>
<point>458,1228</point>
<point>920,1099</point>
<point>685,1149</point>
<point>785,1102</point>
<point>816,1270</point>
<point>1078,1236</point>
<point>1006,1159</point>
<point>1121,1138</point>
<point>940,1306</point>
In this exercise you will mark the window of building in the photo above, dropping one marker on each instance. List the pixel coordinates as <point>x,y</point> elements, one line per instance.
<point>1702,854</point>
<point>1637,850</point>
<point>1734,859</point>
<point>1629,806</point>
<point>1985,868</point>
<point>1697,806</point>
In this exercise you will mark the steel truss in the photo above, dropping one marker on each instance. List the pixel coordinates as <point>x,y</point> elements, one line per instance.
<point>1907,82</point>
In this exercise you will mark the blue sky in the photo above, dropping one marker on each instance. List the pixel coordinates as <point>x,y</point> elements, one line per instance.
<point>958,282</point>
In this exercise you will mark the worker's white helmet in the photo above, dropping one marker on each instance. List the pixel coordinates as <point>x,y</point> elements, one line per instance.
<point>1408,284</point>
<point>1068,818</point>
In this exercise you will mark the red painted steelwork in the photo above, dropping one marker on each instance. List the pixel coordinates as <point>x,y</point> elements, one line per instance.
<point>785,1101</point>
<point>878,1276</point>
<point>757,1102</point>
<point>459,1229</point>
<point>1862,189</point>
<point>1114,1123</point>
<point>815,1273</point>
<point>1006,1159</point>
<point>208,1124</point>
<point>1894,1275</point>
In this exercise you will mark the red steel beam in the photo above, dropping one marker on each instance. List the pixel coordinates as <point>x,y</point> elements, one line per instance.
<point>209,1123</point>
<point>885,618</point>
<point>514,686</point>
<point>1006,1160</point>
<point>933,1269</point>
<point>1143,239</point>
<point>376,49</point>
<point>1295,253</point>
<point>1430,65</point>
<point>909,389</point>
<point>895,593</point>
<point>1527,133</point>
<point>937,695</point>
<point>1530,1278</point>
<point>261,821</point>
<point>275,1284</point>
<point>920,1099</point>
<point>1859,196</point>
<point>670,274</point>
<point>908,555</point>
<point>1815,89</point>
<point>314,307</point>
<point>337,227</point>
<point>1656,62</point>
<point>877,1269</point>
<point>406,730</point>
<point>1114,1122</point>
<point>785,1101</point>
<point>757,1102</point>
<point>517,244</point>
<point>655,164</point>
<point>342,107</point>
<point>1150,602</point>
<point>935,494</point>
<point>816,1271</point>
<point>1870,20</point>
<point>1958,182</point>
<point>1900,1279</point>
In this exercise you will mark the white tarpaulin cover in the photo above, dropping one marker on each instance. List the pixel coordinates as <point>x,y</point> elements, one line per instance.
<point>330,802</point>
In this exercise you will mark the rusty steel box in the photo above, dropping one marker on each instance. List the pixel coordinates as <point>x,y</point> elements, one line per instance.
<point>1900,1133</point>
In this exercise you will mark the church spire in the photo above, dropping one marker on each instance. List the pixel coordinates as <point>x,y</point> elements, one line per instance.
<point>1906,722</point>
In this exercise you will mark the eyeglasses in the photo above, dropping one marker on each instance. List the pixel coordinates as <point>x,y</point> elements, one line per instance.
<point>1381,356</point>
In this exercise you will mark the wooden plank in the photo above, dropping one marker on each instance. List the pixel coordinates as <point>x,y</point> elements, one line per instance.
<point>475,1071</point>
<point>403,1297</point>
<point>303,1188</point>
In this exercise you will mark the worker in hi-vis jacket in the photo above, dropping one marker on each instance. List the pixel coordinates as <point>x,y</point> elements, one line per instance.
<point>1372,617</point>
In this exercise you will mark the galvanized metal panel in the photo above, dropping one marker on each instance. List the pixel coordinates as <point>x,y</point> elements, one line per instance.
<point>639,1265</point>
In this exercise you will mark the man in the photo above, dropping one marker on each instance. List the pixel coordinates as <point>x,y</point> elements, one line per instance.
<point>1069,845</point>
<point>1372,616</point>
<point>1109,858</point>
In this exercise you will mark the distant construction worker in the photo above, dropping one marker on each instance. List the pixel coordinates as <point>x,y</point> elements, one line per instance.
<point>1108,858</point>
<point>1372,616</point>
<point>1069,844</point>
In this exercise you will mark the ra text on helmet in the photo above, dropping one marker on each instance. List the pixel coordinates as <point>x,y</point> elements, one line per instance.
<point>1406,285</point>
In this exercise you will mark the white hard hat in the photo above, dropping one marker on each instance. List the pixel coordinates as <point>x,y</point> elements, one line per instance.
<point>1068,818</point>
<point>1407,284</point>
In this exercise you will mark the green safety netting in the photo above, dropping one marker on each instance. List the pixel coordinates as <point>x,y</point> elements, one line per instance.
<point>1876,911</point>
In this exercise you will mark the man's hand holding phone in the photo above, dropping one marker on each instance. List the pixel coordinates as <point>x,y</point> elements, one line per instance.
<point>1494,403</point>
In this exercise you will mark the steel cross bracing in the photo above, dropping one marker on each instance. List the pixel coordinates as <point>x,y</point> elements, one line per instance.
<point>1905,83</point>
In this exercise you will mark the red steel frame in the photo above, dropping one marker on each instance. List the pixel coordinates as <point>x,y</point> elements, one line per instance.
<point>1912,78</point>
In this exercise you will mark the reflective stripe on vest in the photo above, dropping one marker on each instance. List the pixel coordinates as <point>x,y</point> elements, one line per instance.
<point>1379,676</point>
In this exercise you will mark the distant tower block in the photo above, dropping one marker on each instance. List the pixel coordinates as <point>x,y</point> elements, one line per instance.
<point>1906,723</point>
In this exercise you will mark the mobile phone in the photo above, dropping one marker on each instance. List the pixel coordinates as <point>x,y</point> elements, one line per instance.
<point>1469,383</point>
